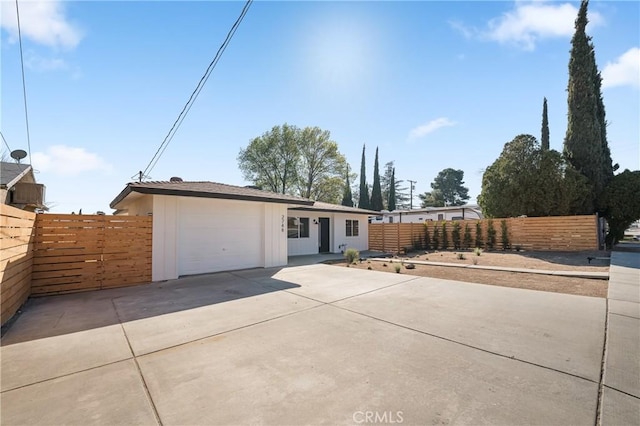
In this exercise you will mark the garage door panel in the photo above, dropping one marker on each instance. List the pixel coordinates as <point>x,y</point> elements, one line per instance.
<point>219,235</point>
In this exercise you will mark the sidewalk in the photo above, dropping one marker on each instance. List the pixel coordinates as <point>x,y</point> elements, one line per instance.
<point>620,397</point>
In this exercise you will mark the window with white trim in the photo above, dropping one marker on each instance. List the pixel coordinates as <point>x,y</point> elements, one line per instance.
<point>298,227</point>
<point>352,228</point>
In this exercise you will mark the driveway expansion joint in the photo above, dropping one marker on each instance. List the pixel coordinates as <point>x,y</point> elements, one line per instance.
<point>511,357</point>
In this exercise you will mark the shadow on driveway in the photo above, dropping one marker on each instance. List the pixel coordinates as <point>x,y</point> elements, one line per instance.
<point>50,316</point>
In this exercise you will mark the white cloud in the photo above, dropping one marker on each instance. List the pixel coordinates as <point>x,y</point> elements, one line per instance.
<point>68,161</point>
<point>43,22</point>
<point>38,63</point>
<point>430,127</point>
<point>528,23</point>
<point>624,71</point>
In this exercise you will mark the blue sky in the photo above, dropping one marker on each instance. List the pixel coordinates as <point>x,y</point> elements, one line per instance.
<point>432,84</point>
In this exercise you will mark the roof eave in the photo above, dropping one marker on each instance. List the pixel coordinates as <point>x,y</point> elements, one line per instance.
<point>15,180</point>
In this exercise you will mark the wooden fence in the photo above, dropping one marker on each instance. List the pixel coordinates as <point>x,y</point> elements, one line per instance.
<point>16,255</point>
<point>90,252</point>
<point>554,233</point>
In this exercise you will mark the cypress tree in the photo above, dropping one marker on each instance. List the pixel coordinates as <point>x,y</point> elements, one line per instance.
<point>376,191</point>
<point>347,197</point>
<point>545,127</point>
<point>391,202</point>
<point>585,144</point>
<point>363,202</point>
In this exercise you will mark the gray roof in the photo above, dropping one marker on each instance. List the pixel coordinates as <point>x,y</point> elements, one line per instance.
<point>207,190</point>
<point>335,208</point>
<point>10,173</point>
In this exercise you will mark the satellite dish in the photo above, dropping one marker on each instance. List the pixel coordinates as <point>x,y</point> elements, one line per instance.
<point>18,154</point>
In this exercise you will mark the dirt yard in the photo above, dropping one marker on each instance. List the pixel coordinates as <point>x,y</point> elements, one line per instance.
<point>556,261</point>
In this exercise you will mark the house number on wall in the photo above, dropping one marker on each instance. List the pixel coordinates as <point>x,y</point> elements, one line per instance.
<point>282,228</point>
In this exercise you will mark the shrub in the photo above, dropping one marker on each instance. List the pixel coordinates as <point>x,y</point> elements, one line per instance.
<point>455,236</point>
<point>351,255</point>
<point>445,237</point>
<point>504,234</point>
<point>475,260</point>
<point>436,237</point>
<point>397,267</point>
<point>384,264</point>
<point>491,235</point>
<point>518,247</point>
<point>461,256</point>
<point>427,239</point>
<point>369,267</point>
<point>477,251</point>
<point>466,240</point>
<point>479,241</point>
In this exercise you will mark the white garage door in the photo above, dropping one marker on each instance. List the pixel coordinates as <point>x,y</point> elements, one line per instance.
<point>219,235</point>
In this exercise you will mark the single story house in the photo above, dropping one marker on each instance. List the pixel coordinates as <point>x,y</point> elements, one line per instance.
<point>203,227</point>
<point>18,187</point>
<point>466,212</point>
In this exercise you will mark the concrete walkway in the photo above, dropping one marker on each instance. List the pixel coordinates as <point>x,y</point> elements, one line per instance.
<point>308,345</point>
<point>621,379</point>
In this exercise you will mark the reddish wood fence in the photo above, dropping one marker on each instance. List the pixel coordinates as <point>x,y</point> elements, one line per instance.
<point>555,233</point>
<point>89,252</point>
<point>16,256</point>
<point>60,253</point>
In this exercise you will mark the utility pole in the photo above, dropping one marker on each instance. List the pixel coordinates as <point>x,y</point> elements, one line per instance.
<point>411,188</point>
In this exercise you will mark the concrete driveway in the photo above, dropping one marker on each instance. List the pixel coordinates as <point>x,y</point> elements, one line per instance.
<point>311,344</point>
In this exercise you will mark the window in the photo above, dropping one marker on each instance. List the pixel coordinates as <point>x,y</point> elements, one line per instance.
<point>353,228</point>
<point>440,216</point>
<point>390,219</point>
<point>298,227</point>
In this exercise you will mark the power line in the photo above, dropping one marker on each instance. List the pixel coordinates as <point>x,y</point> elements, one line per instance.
<point>194,95</point>
<point>5,142</point>
<point>24,84</point>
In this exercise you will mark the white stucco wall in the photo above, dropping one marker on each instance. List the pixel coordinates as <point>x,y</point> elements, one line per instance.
<point>337,233</point>
<point>191,233</point>
<point>361,242</point>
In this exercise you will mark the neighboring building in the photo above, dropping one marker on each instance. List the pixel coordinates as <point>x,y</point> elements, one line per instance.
<point>203,227</point>
<point>18,187</point>
<point>466,212</point>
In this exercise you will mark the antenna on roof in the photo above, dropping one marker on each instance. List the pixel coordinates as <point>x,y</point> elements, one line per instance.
<point>18,154</point>
<point>140,176</point>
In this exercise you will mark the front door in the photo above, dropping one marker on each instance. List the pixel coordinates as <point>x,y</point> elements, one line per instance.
<point>324,235</point>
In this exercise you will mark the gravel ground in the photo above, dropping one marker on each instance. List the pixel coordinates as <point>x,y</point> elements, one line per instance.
<point>558,261</point>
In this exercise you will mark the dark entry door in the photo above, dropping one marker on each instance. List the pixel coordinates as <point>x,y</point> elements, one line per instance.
<point>324,235</point>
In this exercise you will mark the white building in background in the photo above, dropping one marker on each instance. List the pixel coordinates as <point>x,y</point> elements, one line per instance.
<point>466,212</point>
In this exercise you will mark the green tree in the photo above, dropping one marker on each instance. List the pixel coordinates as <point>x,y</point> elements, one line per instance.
<point>401,196</point>
<point>466,239</point>
<point>621,202</point>
<point>449,183</point>
<point>431,199</point>
<point>435,238</point>
<point>363,193</point>
<point>504,234</point>
<point>427,238</point>
<point>347,197</point>
<point>445,236</point>
<point>491,235</point>
<point>479,241</point>
<point>391,202</point>
<point>271,160</point>
<point>545,127</point>
<point>585,144</point>
<point>321,166</point>
<point>455,235</point>
<point>525,180</point>
<point>376,192</point>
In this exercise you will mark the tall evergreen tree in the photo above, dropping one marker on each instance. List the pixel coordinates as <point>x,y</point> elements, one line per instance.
<point>585,144</point>
<point>545,127</point>
<point>363,201</point>
<point>391,202</point>
<point>376,191</point>
<point>347,198</point>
